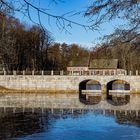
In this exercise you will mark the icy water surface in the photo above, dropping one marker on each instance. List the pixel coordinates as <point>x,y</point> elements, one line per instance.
<point>70,124</point>
<point>64,117</point>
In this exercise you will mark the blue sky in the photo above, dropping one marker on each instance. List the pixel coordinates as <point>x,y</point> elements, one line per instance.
<point>77,34</point>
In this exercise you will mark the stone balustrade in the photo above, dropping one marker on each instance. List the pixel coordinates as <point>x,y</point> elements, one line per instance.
<point>71,73</point>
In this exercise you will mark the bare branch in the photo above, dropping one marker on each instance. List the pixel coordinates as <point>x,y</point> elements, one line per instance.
<point>61,21</point>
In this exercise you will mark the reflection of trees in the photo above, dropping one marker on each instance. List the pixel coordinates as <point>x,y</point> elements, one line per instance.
<point>92,100</point>
<point>20,124</point>
<point>23,124</point>
<point>129,117</point>
<point>119,100</point>
<point>123,117</point>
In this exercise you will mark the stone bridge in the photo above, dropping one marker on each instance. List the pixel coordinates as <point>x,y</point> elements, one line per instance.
<point>63,82</point>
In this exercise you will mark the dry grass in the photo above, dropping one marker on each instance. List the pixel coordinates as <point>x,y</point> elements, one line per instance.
<point>5,90</point>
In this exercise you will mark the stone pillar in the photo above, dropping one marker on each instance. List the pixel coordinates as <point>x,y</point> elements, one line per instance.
<point>33,72</point>
<point>79,73</point>
<point>42,72</point>
<point>14,72</point>
<point>137,72</point>
<point>23,72</point>
<point>114,72</point>
<point>104,88</point>
<point>61,72</point>
<point>4,72</point>
<point>130,73</point>
<point>72,73</point>
<point>125,72</point>
<point>89,72</point>
<point>51,72</point>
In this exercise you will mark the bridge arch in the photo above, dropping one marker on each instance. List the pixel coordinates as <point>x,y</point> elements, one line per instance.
<point>90,84</point>
<point>118,84</point>
<point>118,92</point>
<point>88,87</point>
<point>93,85</point>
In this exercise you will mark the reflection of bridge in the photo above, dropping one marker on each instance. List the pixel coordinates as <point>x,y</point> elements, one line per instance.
<point>64,82</point>
<point>6,111</point>
<point>70,101</point>
<point>65,104</point>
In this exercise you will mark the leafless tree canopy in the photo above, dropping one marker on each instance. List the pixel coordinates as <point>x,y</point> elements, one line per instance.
<point>62,22</point>
<point>106,10</point>
<point>99,12</point>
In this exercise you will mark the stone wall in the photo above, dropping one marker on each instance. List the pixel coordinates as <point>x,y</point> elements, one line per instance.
<point>56,83</point>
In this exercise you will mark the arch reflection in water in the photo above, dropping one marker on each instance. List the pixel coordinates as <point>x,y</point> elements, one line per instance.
<point>118,92</point>
<point>70,124</point>
<point>90,92</point>
<point>119,99</point>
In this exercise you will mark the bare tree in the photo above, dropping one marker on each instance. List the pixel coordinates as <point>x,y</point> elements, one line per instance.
<point>106,10</point>
<point>99,12</point>
<point>62,22</point>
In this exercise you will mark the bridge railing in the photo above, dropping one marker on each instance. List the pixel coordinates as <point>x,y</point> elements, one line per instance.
<point>70,73</point>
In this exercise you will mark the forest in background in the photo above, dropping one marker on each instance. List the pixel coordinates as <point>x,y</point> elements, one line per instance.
<point>24,47</point>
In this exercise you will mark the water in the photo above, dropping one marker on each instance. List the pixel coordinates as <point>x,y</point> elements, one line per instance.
<point>77,126</point>
<point>64,117</point>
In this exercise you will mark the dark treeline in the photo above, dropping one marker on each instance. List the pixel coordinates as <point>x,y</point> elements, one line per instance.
<point>22,47</point>
<point>31,48</point>
<point>118,46</point>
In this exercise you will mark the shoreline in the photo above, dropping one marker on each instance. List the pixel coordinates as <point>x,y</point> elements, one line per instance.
<point>45,91</point>
<point>38,91</point>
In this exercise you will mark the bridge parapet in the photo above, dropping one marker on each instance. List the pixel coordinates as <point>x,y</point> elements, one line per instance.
<point>81,73</point>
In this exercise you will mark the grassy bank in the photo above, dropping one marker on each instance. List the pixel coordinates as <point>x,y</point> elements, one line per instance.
<point>4,90</point>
